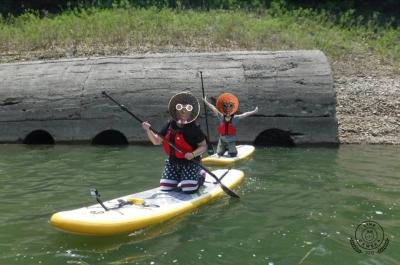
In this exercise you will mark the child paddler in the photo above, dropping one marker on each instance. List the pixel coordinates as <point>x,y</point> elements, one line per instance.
<point>227,105</point>
<point>182,131</point>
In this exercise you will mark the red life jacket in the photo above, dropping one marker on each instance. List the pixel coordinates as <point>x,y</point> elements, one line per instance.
<point>176,137</point>
<point>226,127</point>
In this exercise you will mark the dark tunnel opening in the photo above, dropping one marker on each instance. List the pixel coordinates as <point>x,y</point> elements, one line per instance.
<point>274,137</point>
<point>38,137</point>
<point>110,137</point>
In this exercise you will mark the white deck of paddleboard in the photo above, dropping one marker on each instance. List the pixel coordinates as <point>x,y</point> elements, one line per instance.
<point>156,202</point>
<point>243,152</point>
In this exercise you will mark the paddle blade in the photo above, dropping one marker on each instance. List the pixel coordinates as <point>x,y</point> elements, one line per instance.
<point>228,191</point>
<point>224,188</point>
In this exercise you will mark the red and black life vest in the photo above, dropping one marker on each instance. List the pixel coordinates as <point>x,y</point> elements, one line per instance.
<point>226,127</point>
<point>176,138</point>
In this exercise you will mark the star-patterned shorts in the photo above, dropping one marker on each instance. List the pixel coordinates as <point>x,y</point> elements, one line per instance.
<point>187,174</point>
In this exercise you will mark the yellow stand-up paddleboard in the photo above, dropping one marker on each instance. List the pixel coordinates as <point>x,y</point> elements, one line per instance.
<point>137,211</point>
<point>244,151</point>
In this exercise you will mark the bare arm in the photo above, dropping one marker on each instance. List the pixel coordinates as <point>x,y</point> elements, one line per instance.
<point>151,135</point>
<point>201,148</point>
<point>211,106</point>
<point>246,114</point>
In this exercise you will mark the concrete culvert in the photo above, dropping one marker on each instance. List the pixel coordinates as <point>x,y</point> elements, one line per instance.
<point>38,137</point>
<point>110,137</point>
<point>274,137</point>
<point>293,90</point>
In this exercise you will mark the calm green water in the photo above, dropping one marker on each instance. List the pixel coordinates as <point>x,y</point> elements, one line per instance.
<point>297,206</point>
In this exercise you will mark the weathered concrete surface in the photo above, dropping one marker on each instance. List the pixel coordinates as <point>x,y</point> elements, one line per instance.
<point>294,91</point>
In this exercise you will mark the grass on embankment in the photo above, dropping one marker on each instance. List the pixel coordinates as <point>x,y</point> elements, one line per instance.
<point>122,31</point>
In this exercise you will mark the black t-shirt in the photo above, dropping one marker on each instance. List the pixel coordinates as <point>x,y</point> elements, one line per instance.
<point>191,132</point>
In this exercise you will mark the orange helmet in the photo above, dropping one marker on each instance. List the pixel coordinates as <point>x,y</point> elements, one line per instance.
<point>227,103</point>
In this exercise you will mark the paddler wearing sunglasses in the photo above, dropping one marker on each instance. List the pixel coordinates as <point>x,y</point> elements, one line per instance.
<point>227,105</point>
<point>183,132</point>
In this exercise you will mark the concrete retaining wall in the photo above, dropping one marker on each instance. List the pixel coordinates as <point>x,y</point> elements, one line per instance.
<point>293,89</point>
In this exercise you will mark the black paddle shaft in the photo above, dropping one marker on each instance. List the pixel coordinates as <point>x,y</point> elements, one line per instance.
<point>209,145</point>
<point>225,189</point>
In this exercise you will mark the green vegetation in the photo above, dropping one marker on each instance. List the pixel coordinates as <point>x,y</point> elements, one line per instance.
<point>124,29</point>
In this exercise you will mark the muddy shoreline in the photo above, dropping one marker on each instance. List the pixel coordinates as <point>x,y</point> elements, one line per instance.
<point>368,102</point>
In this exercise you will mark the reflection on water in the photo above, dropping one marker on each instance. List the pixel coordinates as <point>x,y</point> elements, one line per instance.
<point>297,206</point>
